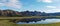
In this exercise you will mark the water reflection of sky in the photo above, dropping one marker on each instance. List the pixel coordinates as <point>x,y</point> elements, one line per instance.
<point>42,22</point>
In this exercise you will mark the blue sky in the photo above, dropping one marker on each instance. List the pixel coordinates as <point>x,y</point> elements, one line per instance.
<point>47,6</point>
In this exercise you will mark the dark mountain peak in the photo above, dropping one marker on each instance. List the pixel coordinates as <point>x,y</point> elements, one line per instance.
<point>26,13</point>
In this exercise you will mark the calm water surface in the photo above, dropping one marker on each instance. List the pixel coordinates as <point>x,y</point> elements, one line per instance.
<point>47,21</point>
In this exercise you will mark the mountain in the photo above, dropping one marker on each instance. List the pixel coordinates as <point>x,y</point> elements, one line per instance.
<point>11,13</point>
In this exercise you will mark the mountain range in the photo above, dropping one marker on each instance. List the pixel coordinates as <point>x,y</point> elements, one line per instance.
<point>11,13</point>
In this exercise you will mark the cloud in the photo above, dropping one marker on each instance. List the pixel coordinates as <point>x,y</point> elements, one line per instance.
<point>51,7</point>
<point>11,3</point>
<point>49,1</point>
<point>45,1</point>
<point>52,10</point>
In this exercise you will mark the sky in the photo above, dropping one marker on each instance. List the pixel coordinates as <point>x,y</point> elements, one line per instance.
<point>48,6</point>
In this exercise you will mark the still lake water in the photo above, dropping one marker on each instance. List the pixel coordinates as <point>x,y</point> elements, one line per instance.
<point>47,21</point>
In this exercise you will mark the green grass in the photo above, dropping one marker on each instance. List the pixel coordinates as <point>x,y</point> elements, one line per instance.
<point>27,17</point>
<point>7,23</point>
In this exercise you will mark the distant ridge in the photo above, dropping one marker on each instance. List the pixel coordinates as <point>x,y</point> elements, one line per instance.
<point>11,13</point>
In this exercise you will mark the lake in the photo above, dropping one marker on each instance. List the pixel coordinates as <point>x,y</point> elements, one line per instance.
<point>47,21</point>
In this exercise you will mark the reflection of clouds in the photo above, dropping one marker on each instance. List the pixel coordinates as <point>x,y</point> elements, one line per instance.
<point>43,22</point>
<point>11,3</point>
<point>53,20</point>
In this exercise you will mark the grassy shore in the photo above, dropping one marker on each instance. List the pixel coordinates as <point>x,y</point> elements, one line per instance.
<point>28,17</point>
<point>7,23</point>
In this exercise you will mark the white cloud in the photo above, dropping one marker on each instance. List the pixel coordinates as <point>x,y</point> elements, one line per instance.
<point>49,1</point>
<point>52,10</point>
<point>45,1</point>
<point>11,3</point>
<point>51,7</point>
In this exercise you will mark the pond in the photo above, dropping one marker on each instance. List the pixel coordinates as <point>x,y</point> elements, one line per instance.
<point>47,21</point>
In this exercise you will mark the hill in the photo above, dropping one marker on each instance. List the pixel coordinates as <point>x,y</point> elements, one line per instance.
<point>11,13</point>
